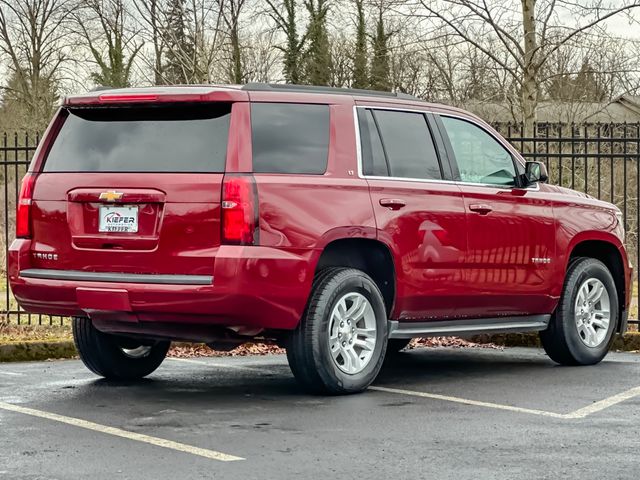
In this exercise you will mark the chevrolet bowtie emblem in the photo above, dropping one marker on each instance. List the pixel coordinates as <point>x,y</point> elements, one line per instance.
<point>111,196</point>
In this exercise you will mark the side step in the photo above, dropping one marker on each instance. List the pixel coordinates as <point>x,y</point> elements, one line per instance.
<point>468,326</point>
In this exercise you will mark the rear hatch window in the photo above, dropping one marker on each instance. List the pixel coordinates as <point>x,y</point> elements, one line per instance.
<point>176,138</point>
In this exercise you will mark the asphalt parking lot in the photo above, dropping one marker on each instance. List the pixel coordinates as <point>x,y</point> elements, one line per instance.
<point>433,413</point>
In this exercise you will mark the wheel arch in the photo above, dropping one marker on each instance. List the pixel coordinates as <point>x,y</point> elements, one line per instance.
<point>610,253</point>
<point>369,255</point>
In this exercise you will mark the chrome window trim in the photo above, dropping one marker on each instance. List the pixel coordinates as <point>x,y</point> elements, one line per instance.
<point>534,187</point>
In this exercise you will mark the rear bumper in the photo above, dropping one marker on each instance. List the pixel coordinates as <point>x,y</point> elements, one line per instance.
<point>259,287</point>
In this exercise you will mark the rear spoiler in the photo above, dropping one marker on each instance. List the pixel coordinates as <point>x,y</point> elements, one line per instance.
<point>156,95</point>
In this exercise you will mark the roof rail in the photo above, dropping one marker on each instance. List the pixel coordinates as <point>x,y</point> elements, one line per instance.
<point>284,87</point>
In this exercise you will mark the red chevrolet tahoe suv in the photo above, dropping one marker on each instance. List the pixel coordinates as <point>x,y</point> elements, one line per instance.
<point>337,223</point>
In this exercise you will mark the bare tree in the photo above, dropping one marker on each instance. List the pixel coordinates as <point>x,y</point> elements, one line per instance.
<point>185,38</point>
<point>342,64</point>
<point>260,58</point>
<point>530,33</point>
<point>106,28</point>
<point>230,11</point>
<point>151,13</point>
<point>32,39</point>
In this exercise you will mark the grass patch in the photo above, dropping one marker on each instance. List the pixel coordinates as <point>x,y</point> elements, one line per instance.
<point>34,333</point>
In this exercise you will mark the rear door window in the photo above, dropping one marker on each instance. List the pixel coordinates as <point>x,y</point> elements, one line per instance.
<point>290,138</point>
<point>142,139</point>
<point>408,145</point>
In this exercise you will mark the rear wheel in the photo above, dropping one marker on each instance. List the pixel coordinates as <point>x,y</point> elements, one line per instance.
<point>115,357</point>
<point>582,328</point>
<point>340,343</point>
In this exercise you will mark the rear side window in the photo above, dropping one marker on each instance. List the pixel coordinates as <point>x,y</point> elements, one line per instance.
<point>408,145</point>
<point>150,139</point>
<point>290,138</point>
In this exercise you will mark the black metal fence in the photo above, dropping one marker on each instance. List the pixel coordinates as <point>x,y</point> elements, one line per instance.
<point>602,160</point>
<point>16,150</point>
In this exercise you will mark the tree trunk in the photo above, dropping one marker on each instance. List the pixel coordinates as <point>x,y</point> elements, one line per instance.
<point>236,55</point>
<point>530,88</point>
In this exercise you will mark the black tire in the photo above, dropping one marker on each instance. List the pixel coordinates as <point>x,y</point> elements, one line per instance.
<point>308,348</point>
<point>103,353</point>
<point>394,345</point>
<point>562,340</point>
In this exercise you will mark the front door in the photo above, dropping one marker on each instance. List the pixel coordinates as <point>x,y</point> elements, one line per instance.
<point>418,215</point>
<point>510,229</point>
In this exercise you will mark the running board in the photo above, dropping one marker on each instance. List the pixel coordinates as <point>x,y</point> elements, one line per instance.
<point>468,326</point>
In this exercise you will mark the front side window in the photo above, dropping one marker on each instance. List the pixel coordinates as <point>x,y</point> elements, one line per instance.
<point>408,145</point>
<point>480,157</point>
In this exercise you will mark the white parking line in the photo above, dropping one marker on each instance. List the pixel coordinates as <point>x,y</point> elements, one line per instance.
<point>606,403</point>
<point>118,432</point>
<point>465,401</point>
<point>577,414</point>
<point>11,374</point>
<point>221,365</point>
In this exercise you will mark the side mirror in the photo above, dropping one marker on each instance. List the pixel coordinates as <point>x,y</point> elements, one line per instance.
<point>535,172</point>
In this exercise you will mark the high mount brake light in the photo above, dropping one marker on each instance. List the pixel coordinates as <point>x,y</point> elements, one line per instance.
<point>239,207</point>
<point>127,98</point>
<point>23,211</point>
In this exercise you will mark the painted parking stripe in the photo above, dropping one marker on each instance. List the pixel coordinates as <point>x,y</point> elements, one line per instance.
<point>118,432</point>
<point>606,403</point>
<point>222,365</point>
<point>577,414</point>
<point>466,401</point>
<point>11,374</point>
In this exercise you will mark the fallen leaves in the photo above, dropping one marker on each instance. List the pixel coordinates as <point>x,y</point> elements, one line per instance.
<point>181,350</point>
<point>454,342</point>
<point>201,350</point>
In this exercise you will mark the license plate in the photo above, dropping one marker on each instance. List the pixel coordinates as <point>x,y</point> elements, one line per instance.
<point>118,219</point>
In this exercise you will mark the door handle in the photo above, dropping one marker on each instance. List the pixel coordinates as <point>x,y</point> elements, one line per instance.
<point>392,203</point>
<point>481,208</point>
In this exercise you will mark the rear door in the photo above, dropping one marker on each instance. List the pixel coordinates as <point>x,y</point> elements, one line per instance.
<point>133,189</point>
<point>419,214</point>
<point>511,229</point>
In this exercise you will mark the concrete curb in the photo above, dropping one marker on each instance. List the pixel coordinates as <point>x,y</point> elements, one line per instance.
<point>39,350</point>
<point>629,342</point>
<point>28,351</point>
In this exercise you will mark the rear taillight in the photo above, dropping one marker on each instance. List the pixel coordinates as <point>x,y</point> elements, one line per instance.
<point>239,210</point>
<point>23,214</point>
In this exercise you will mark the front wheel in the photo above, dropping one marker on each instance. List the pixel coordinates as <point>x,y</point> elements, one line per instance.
<point>340,343</point>
<point>582,328</point>
<point>115,357</point>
